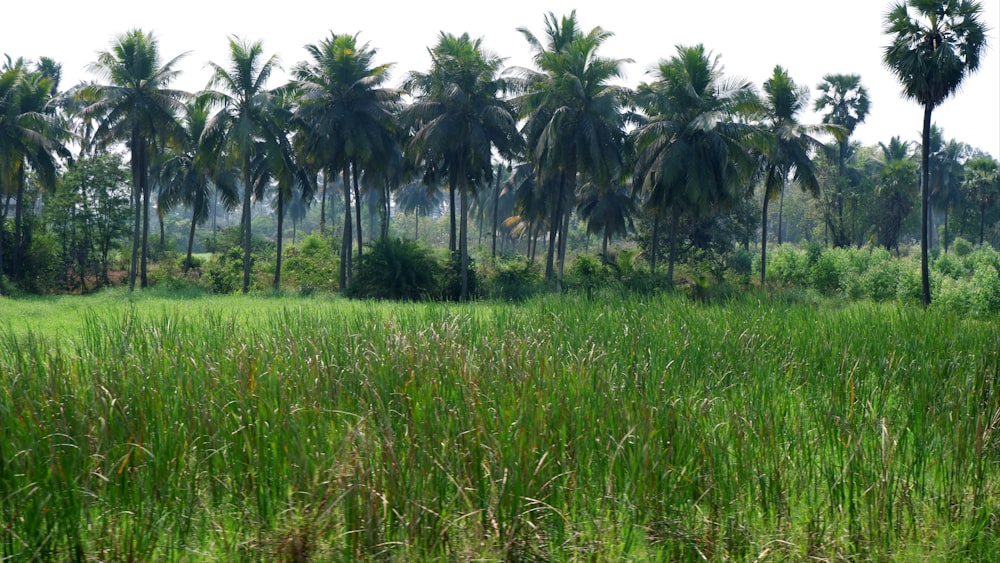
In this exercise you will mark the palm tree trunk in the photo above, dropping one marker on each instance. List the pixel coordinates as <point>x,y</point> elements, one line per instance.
<point>322,204</point>
<point>946,209</point>
<point>357,205</point>
<point>3,219</point>
<point>245,224</point>
<point>554,224</point>
<point>763,240</point>
<point>463,242</point>
<point>18,225</point>
<point>675,219</point>
<point>137,202</point>
<point>781,210</point>
<point>190,248</point>
<point>925,274</point>
<point>452,244</point>
<point>496,208</point>
<point>982,223</point>
<point>280,238</point>
<point>416,226</point>
<point>143,278</point>
<point>655,242</point>
<point>346,246</point>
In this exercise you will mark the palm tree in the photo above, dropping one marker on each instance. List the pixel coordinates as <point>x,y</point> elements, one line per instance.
<point>847,104</point>
<point>608,213</point>
<point>691,140</point>
<point>982,186</point>
<point>896,190</point>
<point>346,114</point>
<point>28,138</point>
<point>459,118</point>
<point>420,199</point>
<point>137,107</point>
<point>573,121</point>
<point>785,156</point>
<point>191,172</point>
<point>947,169</point>
<point>246,122</point>
<point>933,49</point>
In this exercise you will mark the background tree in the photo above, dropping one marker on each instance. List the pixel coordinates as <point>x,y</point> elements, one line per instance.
<point>847,104</point>
<point>573,123</point>
<point>346,113</point>
<point>459,117</point>
<point>247,116</point>
<point>933,48</point>
<point>982,186</point>
<point>691,144</point>
<point>896,190</point>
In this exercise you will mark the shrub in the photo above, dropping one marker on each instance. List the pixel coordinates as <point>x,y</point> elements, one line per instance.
<point>789,265</point>
<point>511,280</point>
<point>880,282</point>
<point>588,272</point>
<point>397,269</point>
<point>224,273</point>
<point>827,270</point>
<point>949,266</point>
<point>961,247</point>
<point>311,266</point>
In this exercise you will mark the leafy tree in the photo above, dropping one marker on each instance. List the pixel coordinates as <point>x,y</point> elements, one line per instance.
<point>933,48</point>
<point>608,213</point>
<point>421,200</point>
<point>573,123</point>
<point>847,104</point>
<point>346,113</point>
<point>982,186</point>
<point>896,191</point>
<point>459,118</point>
<point>691,153</point>
<point>136,106</point>
<point>246,122</point>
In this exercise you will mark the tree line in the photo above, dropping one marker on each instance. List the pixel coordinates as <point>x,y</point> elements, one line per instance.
<point>682,155</point>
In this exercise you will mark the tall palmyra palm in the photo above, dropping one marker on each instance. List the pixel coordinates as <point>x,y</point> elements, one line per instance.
<point>847,104</point>
<point>459,118</point>
<point>573,123</point>
<point>691,143</point>
<point>245,123</point>
<point>137,107</point>
<point>934,45</point>
<point>346,114</point>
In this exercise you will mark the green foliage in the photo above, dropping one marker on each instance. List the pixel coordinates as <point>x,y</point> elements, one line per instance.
<point>510,280</point>
<point>224,272</point>
<point>789,264</point>
<point>42,268</point>
<point>398,269</point>
<point>961,247</point>
<point>312,266</point>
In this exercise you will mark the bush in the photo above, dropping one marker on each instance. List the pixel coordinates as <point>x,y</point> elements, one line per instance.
<point>949,266</point>
<point>789,265</point>
<point>880,282</point>
<point>588,272</point>
<point>311,266</point>
<point>961,247</point>
<point>511,280</point>
<point>827,270</point>
<point>397,269</point>
<point>224,273</point>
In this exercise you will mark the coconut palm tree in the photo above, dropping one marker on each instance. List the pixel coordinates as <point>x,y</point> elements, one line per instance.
<point>573,119</point>
<point>191,172</point>
<point>982,186</point>
<point>29,137</point>
<point>935,45</point>
<point>245,123</point>
<point>346,114</point>
<point>421,200</point>
<point>691,141</point>
<point>786,153</point>
<point>459,118</point>
<point>847,104</point>
<point>138,107</point>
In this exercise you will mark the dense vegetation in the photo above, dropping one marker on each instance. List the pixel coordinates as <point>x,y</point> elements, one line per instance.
<point>686,169</point>
<point>559,429</point>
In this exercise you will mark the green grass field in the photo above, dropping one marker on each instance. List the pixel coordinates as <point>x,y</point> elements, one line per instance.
<point>222,428</point>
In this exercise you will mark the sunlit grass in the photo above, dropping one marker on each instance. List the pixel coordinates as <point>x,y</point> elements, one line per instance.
<point>562,429</point>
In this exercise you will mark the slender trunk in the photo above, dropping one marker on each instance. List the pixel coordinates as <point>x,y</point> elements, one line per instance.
<point>496,209</point>
<point>654,244</point>
<point>190,248</point>
<point>946,230</point>
<point>925,275</point>
<point>604,245</point>
<point>982,223</point>
<point>357,205</point>
<point>675,219</point>
<point>245,224</point>
<point>137,150</point>
<point>280,238</point>
<point>322,204</point>
<point>3,220</point>
<point>763,240</point>
<point>416,226</point>
<point>555,222</point>
<point>452,244</point>
<point>144,172</point>
<point>563,235</point>
<point>384,209</point>
<point>781,210</point>
<point>463,241</point>
<point>346,245</point>
<point>18,225</point>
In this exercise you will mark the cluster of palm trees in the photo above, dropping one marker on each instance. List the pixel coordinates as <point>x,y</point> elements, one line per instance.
<point>689,142</point>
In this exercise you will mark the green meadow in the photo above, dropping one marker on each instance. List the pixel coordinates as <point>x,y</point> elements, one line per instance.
<point>558,429</point>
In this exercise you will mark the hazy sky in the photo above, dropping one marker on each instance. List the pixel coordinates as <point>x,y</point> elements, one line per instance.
<point>808,37</point>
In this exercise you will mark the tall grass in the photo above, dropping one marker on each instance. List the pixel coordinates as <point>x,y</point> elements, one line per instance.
<point>558,429</point>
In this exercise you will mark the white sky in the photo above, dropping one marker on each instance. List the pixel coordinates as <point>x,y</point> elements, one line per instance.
<point>808,37</point>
